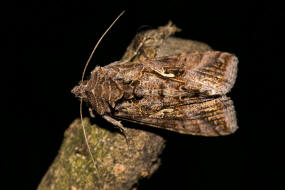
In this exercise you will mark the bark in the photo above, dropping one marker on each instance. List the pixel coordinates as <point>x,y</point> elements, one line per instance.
<point>119,164</point>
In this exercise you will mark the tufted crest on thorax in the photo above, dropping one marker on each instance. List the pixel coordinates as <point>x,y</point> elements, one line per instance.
<point>101,91</point>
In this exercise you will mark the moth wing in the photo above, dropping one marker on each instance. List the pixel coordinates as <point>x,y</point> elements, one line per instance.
<point>212,72</point>
<point>203,116</point>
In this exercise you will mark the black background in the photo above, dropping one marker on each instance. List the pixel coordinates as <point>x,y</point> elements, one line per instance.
<point>54,40</point>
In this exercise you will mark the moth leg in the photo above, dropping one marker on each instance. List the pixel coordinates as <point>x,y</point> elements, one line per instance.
<point>138,49</point>
<point>91,113</point>
<point>117,124</point>
<point>114,122</point>
<point>146,44</point>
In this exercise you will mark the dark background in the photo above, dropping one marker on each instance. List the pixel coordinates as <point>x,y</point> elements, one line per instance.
<point>54,40</point>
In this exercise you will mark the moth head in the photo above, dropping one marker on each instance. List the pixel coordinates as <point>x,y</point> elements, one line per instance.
<point>80,90</point>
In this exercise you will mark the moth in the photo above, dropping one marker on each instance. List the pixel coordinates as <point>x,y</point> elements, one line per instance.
<point>184,93</point>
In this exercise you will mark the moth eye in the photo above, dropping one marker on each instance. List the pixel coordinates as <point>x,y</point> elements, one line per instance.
<point>87,94</point>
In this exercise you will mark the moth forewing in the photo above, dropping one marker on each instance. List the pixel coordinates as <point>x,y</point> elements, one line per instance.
<point>210,72</point>
<point>199,116</point>
<point>217,71</point>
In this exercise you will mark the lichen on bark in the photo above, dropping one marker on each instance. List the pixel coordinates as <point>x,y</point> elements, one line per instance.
<point>119,165</point>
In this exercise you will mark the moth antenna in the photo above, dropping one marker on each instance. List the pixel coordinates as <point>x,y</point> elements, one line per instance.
<point>82,78</point>
<point>95,47</point>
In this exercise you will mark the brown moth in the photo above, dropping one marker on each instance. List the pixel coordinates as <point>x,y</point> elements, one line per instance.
<point>184,93</point>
